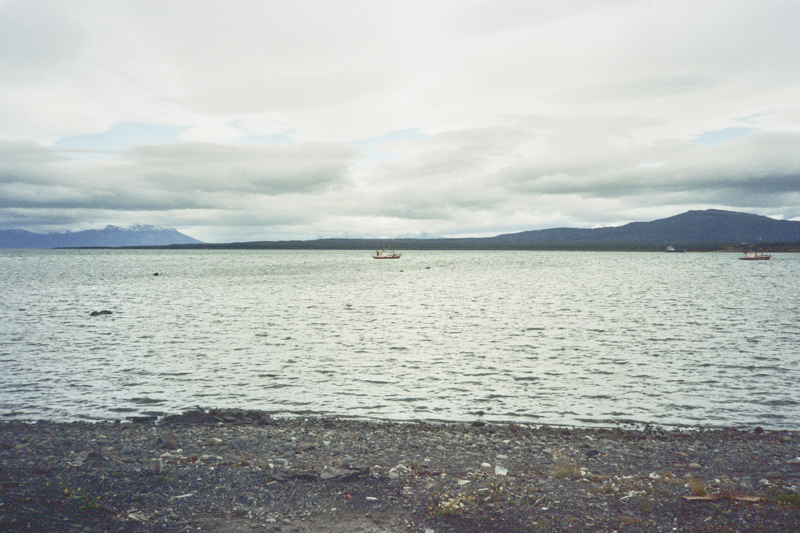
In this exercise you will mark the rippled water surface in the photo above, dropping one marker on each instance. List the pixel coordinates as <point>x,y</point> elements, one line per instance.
<point>544,337</point>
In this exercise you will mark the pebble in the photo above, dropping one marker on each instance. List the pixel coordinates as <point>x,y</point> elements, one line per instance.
<point>306,446</point>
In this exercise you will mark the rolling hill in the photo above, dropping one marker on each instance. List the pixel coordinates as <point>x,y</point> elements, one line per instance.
<point>710,229</point>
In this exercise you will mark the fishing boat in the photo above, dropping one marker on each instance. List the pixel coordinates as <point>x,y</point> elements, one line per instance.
<point>385,254</point>
<point>755,256</point>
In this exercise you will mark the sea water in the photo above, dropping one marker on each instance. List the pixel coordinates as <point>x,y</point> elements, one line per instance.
<point>536,337</point>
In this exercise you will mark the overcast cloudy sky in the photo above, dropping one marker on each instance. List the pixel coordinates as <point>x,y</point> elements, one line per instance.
<point>270,119</point>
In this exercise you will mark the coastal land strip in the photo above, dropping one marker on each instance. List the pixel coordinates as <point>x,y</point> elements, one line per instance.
<point>234,471</point>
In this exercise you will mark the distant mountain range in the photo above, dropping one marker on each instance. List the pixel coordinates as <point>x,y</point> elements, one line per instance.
<point>711,229</point>
<point>108,237</point>
<point>708,229</point>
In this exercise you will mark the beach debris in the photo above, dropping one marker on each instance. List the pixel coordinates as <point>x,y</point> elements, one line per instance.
<point>724,496</point>
<point>305,446</point>
<point>137,516</point>
<point>397,471</point>
<point>342,472</point>
<point>633,493</point>
<point>156,465</point>
<point>500,470</point>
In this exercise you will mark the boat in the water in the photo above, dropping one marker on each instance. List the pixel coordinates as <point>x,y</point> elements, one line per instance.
<point>755,256</point>
<point>672,250</point>
<point>386,254</point>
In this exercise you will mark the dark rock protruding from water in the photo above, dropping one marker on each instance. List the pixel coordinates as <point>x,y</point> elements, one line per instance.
<point>98,313</point>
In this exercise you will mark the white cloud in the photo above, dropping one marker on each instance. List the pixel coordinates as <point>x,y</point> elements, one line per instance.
<point>239,119</point>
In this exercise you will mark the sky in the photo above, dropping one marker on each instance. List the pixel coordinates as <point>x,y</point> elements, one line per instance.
<point>269,119</point>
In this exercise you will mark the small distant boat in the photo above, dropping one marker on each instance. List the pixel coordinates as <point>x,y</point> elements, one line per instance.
<point>385,254</point>
<point>672,250</point>
<point>755,256</point>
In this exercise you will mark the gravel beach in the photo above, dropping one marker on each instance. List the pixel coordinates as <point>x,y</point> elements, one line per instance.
<point>244,471</point>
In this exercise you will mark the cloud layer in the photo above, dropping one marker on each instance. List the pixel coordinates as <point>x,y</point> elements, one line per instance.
<point>254,120</point>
